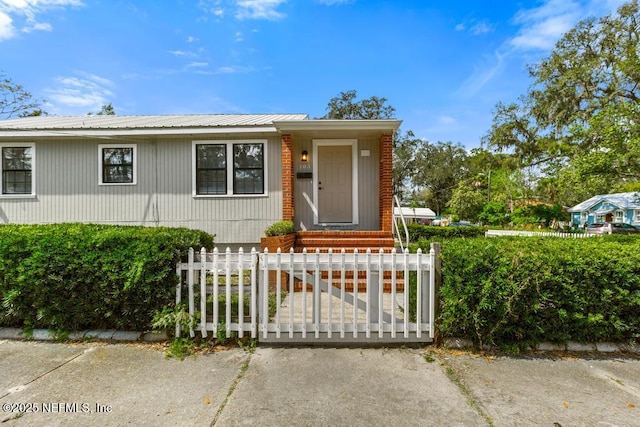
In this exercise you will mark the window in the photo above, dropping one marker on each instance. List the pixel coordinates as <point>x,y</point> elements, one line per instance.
<point>583,217</point>
<point>117,164</point>
<point>17,168</point>
<point>637,216</point>
<point>225,168</point>
<point>211,170</point>
<point>248,169</point>
<point>619,216</point>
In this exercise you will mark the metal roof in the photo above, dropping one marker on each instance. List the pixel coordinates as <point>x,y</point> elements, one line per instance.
<point>414,212</point>
<point>146,122</point>
<point>621,200</point>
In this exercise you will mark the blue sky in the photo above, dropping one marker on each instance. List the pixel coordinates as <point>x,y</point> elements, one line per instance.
<point>442,64</point>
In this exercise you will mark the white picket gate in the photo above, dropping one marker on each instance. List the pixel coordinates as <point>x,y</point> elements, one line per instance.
<point>312,297</point>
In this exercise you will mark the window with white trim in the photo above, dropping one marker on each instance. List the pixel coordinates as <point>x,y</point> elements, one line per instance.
<point>225,168</point>
<point>117,164</point>
<point>636,216</point>
<point>619,216</point>
<point>583,216</point>
<point>17,169</point>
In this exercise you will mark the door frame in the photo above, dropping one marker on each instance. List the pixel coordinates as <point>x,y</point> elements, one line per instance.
<point>354,176</point>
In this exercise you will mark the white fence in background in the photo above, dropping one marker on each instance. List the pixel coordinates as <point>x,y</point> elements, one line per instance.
<point>495,233</point>
<point>317,297</point>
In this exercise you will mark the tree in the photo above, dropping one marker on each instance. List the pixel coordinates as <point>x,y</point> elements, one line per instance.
<point>494,213</point>
<point>439,169</point>
<point>404,161</point>
<point>345,106</point>
<point>466,201</point>
<point>582,110</point>
<point>105,110</point>
<point>16,101</point>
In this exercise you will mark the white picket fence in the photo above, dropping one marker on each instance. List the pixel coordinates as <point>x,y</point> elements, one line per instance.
<point>302,297</point>
<point>495,233</point>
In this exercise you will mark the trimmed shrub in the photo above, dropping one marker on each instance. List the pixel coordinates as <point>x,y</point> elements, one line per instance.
<point>427,232</point>
<point>80,276</point>
<point>515,292</point>
<point>280,228</point>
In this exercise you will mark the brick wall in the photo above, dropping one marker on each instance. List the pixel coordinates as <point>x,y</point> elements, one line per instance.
<point>386,182</point>
<point>287,178</point>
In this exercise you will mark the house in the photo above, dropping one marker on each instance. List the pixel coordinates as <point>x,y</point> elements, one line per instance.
<point>415,215</point>
<point>618,207</point>
<point>230,175</point>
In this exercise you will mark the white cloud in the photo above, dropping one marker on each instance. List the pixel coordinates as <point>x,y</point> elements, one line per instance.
<point>259,9</point>
<point>6,27</point>
<point>88,91</point>
<point>474,27</point>
<point>230,69</point>
<point>28,12</point>
<point>482,75</point>
<point>446,120</point>
<point>542,26</point>
<point>480,28</point>
<point>538,29</point>
<point>37,26</point>
<point>213,7</point>
<point>247,9</point>
<point>334,2</point>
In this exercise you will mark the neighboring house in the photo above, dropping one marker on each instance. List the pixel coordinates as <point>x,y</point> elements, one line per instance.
<point>415,215</point>
<point>619,207</point>
<point>230,175</point>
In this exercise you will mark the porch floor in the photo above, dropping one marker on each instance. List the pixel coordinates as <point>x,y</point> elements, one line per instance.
<point>297,298</point>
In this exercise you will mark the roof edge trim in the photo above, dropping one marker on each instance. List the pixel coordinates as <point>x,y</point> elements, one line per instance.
<point>318,125</point>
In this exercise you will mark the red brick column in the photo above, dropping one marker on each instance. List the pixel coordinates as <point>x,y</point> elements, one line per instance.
<point>287,178</point>
<point>386,182</point>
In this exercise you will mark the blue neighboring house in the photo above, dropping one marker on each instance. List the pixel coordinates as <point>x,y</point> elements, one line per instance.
<point>618,207</point>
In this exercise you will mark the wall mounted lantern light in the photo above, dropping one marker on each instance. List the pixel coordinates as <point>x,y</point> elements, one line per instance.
<point>305,156</point>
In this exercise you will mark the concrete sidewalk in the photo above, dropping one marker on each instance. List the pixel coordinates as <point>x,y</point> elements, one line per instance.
<point>121,384</point>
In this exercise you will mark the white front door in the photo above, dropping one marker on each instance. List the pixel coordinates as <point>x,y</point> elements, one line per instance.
<point>335,183</point>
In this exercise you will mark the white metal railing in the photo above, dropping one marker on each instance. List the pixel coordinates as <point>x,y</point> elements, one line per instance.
<point>396,227</point>
<point>304,296</point>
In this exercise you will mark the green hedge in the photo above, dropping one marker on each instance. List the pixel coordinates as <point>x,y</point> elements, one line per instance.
<point>419,231</point>
<point>78,276</point>
<point>515,292</point>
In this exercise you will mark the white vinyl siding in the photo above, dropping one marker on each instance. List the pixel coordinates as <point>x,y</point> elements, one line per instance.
<point>229,168</point>
<point>117,164</point>
<point>17,170</point>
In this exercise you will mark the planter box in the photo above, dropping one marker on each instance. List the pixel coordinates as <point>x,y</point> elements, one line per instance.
<point>272,243</point>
